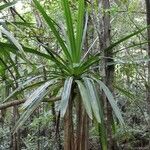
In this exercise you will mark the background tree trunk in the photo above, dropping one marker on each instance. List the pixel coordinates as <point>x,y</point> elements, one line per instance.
<point>148,51</point>
<point>148,31</point>
<point>108,77</point>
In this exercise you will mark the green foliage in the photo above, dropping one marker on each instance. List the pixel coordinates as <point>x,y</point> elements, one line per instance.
<point>66,95</point>
<point>70,71</point>
<point>76,67</point>
<point>7,5</point>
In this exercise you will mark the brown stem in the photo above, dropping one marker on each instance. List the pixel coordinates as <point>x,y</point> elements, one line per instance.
<point>16,136</point>
<point>81,142</point>
<point>18,102</point>
<point>68,127</point>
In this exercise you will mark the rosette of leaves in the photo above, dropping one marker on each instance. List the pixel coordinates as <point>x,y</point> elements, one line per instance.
<point>72,70</point>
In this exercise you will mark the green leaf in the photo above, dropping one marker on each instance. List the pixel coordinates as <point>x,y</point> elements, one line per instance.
<point>85,65</point>
<point>65,95</point>
<point>94,99</point>
<point>125,92</point>
<point>80,28</point>
<point>25,24</point>
<point>85,98</point>
<point>37,94</point>
<point>7,5</point>
<point>125,38</point>
<point>12,48</point>
<point>70,30</point>
<point>21,87</point>
<point>58,60</point>
<point>111,100</point>
<point>101,125</point>
<point>15,42</point>
<point>32,103</point>
<point>54,30</point>
<point>130,46</point>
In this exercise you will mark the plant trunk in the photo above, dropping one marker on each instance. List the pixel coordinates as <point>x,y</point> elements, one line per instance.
<point>82,128</point>
<point>76,140</point>
<point>68,127</point>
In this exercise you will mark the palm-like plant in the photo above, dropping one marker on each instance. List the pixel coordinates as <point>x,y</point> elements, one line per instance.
<point>74,72</point>
<point>73,69</point>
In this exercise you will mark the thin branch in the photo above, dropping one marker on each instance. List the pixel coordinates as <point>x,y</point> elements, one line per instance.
<point>18,102</point>
<point>135,12</point>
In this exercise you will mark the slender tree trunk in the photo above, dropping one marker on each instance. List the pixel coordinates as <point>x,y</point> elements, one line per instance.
<point>108,77</point>
<point>148,51</point>
<point>16,136</point>
<point>148,31</point>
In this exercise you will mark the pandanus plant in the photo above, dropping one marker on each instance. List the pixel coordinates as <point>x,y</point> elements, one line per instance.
<point>72,70</point>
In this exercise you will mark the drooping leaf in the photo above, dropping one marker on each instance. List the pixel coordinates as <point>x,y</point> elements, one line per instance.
<point>85,98</point>
<point>101,125</point>
<point>36,95</point>
<point>15,42</point>
<point>65,95</point>
<point>12,48</point>
<point>111,100</point>
<point>32,103</point>
<point>93,99</point>
<point>21,87</point>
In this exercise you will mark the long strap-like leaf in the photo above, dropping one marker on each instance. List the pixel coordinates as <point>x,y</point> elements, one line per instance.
<point>15,42</point>
<point>93,98</point>
<point>70,30</point>
<point>32,103</point>
<point>65,95</point>
<point>85,98</point>
<point>20,87</point>
<point>7,5</point>
<point>125,38</point>
<point>111,100</point>
<point>80,28</point>
<point>53,29</point>
<point>12,48</point>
